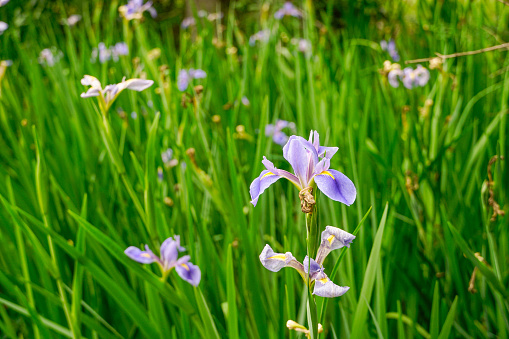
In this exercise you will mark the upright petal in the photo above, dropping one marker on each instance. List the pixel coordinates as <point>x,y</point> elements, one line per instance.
<point>324,287</point>
<point>169,252</point>
<point>316,269</point>
<point>189,272</point>
<point>303,157</point>
<point>327,152</point>
<point>144,257</point>
<point>89,80</point>
<point>332,238</point>
<point>336,186</point>
<point>260,184</point>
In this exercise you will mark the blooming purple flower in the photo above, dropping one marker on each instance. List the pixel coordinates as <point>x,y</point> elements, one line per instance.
<point>276,131</point>
<point>119,49</point>
<point>311,163</point>
<point>167,155</point>
<point>332,238</point>
<point>262,36</point>
<point>287,9</point>
<point>394,76</point>
<point>110,93</point>
<point>135,8</point>
<point>390,47</point>
<point>415,78</point>
<point>4,2</point>
<point>185,76</point>
<point>187,22</point>
<point>245,101</point>
<point>107,53</point>
<point>168,260</point>
<point>3,27</point>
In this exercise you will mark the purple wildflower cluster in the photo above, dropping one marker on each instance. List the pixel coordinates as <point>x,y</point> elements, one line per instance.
<point>262,36</point>
<point>105,54</point>
<point>288,9</point>
<point>135,9</point>
<point>185,76</point>
<point>390,47</point>
<point>410,77</point>
<point>276,131</point>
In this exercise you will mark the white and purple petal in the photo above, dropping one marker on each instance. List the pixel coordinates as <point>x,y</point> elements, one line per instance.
<point>336,186</point>
<point>332,238</point>
<point>276,261</point>
<point>143,257</point>
<point>260,184</point>
<point>324,287</point>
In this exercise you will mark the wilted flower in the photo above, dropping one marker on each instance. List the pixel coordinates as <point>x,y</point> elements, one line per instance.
<point>108,95</point>
<point>287,9</point>
<point>187,22</point>
<point>262,36</point>
<point>72,20</point>
<point>3,27</point>
<point>185,76</point>
<point>49,56</point>
<point>135,8</point>
<point>390,47</point>
<point>332,238</point>
<point>276,131</point>
<point>310,162</point>
<point>168,260</point>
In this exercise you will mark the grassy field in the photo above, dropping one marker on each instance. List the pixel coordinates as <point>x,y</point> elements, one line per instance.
<point>80,183</point>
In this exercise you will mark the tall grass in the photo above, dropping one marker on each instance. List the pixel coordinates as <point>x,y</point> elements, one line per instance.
<point>68,211</point>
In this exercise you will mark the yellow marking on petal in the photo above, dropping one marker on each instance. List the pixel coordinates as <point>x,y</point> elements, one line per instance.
<point>331,239</point>
<point>267,174</point>
<point>145,255</point>
<point>324,280</point>
<point>185,266</point>
<point>278,257</point>
<point>327,173</point>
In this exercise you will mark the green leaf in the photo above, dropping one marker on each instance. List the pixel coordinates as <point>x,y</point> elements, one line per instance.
<point>446,329</point>
<point>233,330</point>
<point>206,317</point>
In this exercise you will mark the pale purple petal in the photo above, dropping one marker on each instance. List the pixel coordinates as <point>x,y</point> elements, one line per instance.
<point>324,287</point>
<point>260,184</point>
<point>197,73</point>
<point>276,261</point>
<point>189,272</point>
<point>316,269</point>
<point>169,252</point>
<point>92,92</point>
<point>136,84</point>
<point>336,186</point>
<point>327,152</point>
<point>183,80</point>
<point>332,238</point>
<point>296,153</point>
<point>394,77</point>
<point>144,257</point>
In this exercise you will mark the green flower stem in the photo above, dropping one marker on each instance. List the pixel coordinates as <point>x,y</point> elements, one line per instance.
<point>312,232</point>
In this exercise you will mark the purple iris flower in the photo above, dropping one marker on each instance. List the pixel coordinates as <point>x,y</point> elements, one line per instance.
<point>275,131</point>
<point>415,78</point>
<point>262,36</point>
<point>168,259</point>
<point>135,8</point>
<point>390,47</point>
<point>119,49</point>
<point>49,56</point>
<point>310,162</point>
<point>187,22</point>
<point>185,76</point>
<point>394,76</point>
<point>287,9</point>
<point>332,238</point>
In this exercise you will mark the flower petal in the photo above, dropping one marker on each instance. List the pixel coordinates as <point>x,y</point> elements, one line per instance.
<point>324,287</point>
<point>260,184</point>
<point>135,84</point>
<point>332,238</point>
<point>169,252</point>
<point>92,92</point>
<point>276,261</point>
<point>303,157</point>
<point>336,186</point>
<point>144,257</point>
<point>189,272</point>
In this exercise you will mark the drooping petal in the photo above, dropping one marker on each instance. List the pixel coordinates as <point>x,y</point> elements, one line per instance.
<point>144,257</point>
<point>324,287</point>
<point>333,238</point>
<point>276,261</point>
<point>260,184</point>
<point>336,186</point>
<point>135,84</point>
<point>189,272</point>
<point>92,92</point>
<point>169,252</point>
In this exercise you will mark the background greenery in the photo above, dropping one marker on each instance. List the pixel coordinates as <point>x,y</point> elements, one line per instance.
<point>67,212</point>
